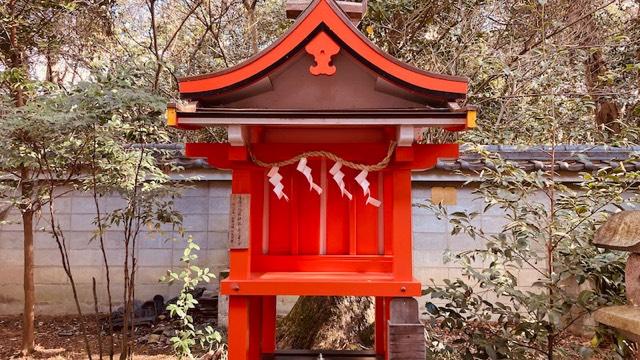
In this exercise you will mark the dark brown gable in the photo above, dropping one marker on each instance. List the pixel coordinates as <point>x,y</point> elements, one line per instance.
<point>353,86</point>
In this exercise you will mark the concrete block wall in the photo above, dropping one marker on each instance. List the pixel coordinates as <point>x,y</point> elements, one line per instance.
<point>205,207</point>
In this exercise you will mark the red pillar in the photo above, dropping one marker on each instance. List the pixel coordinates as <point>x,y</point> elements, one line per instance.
<point>239,327</point>
<point>401,228</point>
<point>382,329</point>
<point>268,324</point>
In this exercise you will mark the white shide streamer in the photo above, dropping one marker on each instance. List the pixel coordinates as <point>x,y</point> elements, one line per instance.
<point>364,184</point>
<point>276,180</point>
<point>338,177</point>
<point>306,171</point>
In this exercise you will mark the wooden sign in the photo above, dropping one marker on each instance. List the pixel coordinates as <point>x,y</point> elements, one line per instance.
<point>239,221</point>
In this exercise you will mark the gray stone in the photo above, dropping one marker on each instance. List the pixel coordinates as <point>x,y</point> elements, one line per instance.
<point>153,338</point>
<point>620,232</point>
<point>624,318</point>
<point>632,279</point>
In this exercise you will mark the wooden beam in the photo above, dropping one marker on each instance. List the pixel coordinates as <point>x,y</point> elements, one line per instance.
<point>372,121</point>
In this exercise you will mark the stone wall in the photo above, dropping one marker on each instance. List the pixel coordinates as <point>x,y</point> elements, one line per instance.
<point>205,209</point>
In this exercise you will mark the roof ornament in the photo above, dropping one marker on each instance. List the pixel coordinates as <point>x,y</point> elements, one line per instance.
<point>323,49</point>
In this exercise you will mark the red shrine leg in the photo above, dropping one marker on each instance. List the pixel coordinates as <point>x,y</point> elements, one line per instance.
<point>268,324</point>
<point>239,328</point>
<point>382,318</point>
<point>245,327</point>
<point>255,327</point>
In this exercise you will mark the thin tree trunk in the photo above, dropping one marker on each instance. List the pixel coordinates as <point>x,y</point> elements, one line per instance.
<point>97,311</point>
<point>28,319</point>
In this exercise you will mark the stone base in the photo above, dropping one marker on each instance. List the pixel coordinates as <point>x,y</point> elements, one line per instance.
<point>624,318</point>
<point>406,332</point>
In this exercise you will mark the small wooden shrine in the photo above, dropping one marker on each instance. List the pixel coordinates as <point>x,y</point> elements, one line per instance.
<point>323,129</point>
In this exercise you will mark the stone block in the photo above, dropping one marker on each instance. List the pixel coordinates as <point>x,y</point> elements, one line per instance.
<point>155,240</point>
<point>201,238</point>
<point>11,240</point>
<point>193,205</point>
<point>155,257</point>
<point>83,222</point>
<point>11,257</point>
<point>219,205</point>
<point>11,275</point>
<point>112,203</point>
<point>217,258</point>
<point>12,295</point>
<point>150,275</point>
<point>62,205</point>
<point>427,258</point>
<point>84,205</point>
<point>430,241</point>
<point>218,222</point>
<point>429,224</point>
<point>47,257</point>
<point>80,240</point>
<point>82,275</point>
<point>45,240</point>
<point>493,224</point>
<point>527,278</point>
<point>421,191</point>
<point>198,189</point>
<point>195,222</point>
<point>89,257</point>
<point>462,242</point>
<point>43,222</point>
<point>220,189</point>
<point>430,275</point>
<point>217,240</point>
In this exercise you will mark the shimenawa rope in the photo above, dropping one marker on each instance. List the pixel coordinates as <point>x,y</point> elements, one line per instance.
<point>331,156</point>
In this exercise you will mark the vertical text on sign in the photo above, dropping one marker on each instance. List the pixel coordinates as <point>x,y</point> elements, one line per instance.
<point>239,221</point>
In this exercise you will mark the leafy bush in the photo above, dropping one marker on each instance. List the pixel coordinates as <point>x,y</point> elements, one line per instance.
<point>549,228</point>
<point>188,336</point>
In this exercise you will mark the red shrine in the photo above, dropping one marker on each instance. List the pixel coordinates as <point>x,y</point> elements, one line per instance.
<point>322,129</point>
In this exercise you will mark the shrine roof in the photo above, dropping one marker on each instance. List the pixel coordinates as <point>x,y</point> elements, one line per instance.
<point>324,17</point>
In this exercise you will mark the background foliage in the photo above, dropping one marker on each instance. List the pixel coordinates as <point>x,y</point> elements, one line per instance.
<point>84,82</point>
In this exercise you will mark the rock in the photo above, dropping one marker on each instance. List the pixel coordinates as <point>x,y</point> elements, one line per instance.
<point>212,355</point>
<point>620,232</point>
<point>632,279</point>
<point>169,333</point>
<point>66,333</point>
<point>153,338</point>
<point>159,329</point>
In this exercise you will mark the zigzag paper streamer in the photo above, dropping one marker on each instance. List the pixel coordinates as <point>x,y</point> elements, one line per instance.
<point>364,184</point>
<point>338,177</point>
<point>306,171</point>
<point>276,180</point>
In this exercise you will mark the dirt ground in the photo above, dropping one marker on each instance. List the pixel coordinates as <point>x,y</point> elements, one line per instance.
<point>58,338</point>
